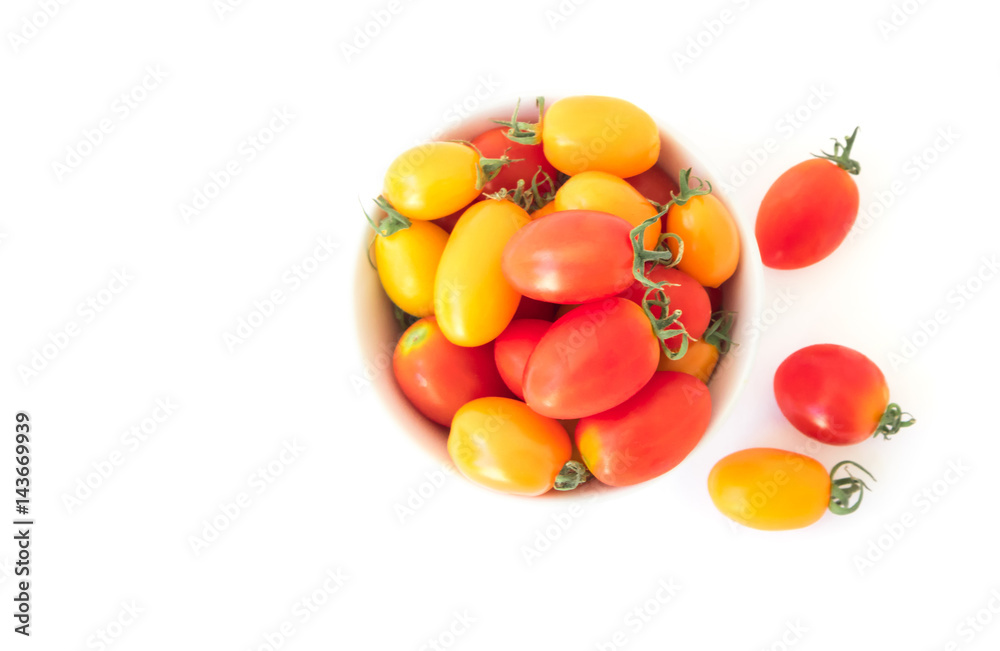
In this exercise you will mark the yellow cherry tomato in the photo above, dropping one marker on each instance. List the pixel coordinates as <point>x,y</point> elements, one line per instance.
<point>770,489</point>
<point>473,301</point>
<point>605,134</point>
<point>711,239</point>
<point>547,209</point>
<point>407,263</point>
<point>500,443</point>
<point>699,361</point>
<point>608,193</point>
<point>433,180</point>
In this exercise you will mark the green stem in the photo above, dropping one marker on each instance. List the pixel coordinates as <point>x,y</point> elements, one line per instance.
<point>687,192</point>
<point>843,489</point>
<point>392,223</point>
<point>842,154</point>
<point>542,198</point>
<point>488,168</point>
<point>525,133</point>
<point>719,332</point>
<point>573,474</point>
<point>518,195</point>
<point>893,420</point>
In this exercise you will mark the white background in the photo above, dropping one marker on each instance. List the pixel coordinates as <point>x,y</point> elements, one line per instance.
<point>335,506</point>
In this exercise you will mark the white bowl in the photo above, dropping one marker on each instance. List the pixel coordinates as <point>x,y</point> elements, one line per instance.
<point>378,330</point>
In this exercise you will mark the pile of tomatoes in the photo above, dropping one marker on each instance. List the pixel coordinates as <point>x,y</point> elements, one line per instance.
<point>561,293</point>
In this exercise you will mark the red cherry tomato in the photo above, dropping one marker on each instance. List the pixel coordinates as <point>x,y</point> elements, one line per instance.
<point>593,358</point>
<point>529,308</point>
<point>493,144</point>
<point>808,211</point>
<point>513,348</point>
<point>685,294</point>
<point>571,256</point>
<point>438,377</point>
<point>836,395</point>
<point>655,184</point>
<point>649,433</point>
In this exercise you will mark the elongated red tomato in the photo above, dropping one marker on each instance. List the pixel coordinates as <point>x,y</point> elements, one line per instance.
<point>836,395</point>
<point>593,358</point>
<point>684,293</point>
<point>438,377</point>
<point>648,434</point>
<point>572,256</point>
<point>655,184</point>
<point>526,159</point>
<point>809,210</point>
<point>513,348</point>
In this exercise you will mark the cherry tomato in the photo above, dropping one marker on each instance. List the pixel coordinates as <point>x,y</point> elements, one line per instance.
<point>711,239</point>
<point>547,209</point>
<point>605,192</point>
<point>699,360</point>
<point>655,184</point>
<point>770,489</point>
<point>605,134</point>
<point>503,445</point>
<point>473,301</point>
<point>684,293</point>
<point>438,377</point>
<point>808,211</point>
<point>407,262</point>
<point>529,308</point>
<point>570,257</point>
<point>433,180</point>
<point>648,434</point>
<point>526,159</point>
<point>594,358</point>
<point>513,348</point>
<point>836,395</point>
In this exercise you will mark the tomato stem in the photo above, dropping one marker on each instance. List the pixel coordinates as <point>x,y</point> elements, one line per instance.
<point>842,154</point>
<point>518,195</point>
<point>893,420</point>
<point>524,133</point>
<point>404,319</point>
<point>542,198</point>
<point>571,476</point>
<point>719,332</point>
<point>392,223</point>
<point>667,326</point>
<point>844,488</point>
<point>687,192</point>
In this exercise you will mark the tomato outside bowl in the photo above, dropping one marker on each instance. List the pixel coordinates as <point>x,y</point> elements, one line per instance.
<point>378,330</point>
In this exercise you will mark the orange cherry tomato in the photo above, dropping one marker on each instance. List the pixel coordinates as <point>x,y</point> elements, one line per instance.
<point>711,239</point>
<point>605,192</point>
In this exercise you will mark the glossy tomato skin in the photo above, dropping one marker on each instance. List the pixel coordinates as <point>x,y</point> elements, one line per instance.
<point>570,257</point>
<point>806,214</point>
<point>605,192</point>
<point>700,360</point>
<point>473,301</point>
<point>513,348</point>
<point>501,444</point>
<point>655,184</point>
<point>648,434</point>
<point>711,239</point>
<point>605,134</point>
<point>684,293</point>
<point>595,357</point>
<point>407,262</point>
<point>831,393</point>
<point>438,377</point>
<point>527,159</point>
<point>432,180</point>
<point>770,489</point>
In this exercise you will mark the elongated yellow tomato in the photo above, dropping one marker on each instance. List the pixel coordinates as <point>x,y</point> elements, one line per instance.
<point>711,239</point>
<point>433,180</point>
<point>547,209</point>
<point>605,134</point>
<point>699,361</point>
<point>608,193</point>
<point>407,263</point>
<point>503,445</point>
<point>473,301</point>
<point>770,489</point>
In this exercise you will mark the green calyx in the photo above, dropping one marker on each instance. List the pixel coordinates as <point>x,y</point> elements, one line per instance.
<point>392,223</point>
<point>542,197</point>
<point>719,331</point>
<point>893,420</point>
<point>842,154</point>
<point>523,198</point>
<point>687,192</point>
<point>488,168</point>
<point>667,326</point>
<point>524,133</point>
<point>572,475</point>
<point>843,489</point>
